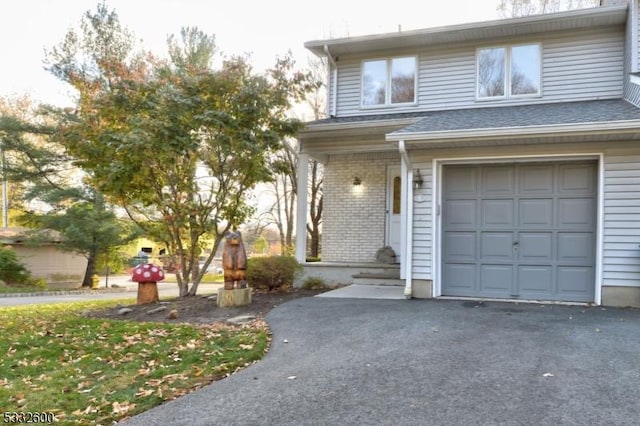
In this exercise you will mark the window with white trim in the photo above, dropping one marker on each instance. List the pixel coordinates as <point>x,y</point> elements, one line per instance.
<point>389,81</point>
<point>508,71</point>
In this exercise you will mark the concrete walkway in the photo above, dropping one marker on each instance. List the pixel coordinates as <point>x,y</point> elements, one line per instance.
<point>337,361</point>
<point>357,291</point>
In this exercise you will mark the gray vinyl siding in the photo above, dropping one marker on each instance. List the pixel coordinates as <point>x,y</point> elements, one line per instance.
<point>631,90</point>
<point>621,237</point>
<point>576,66</point>
<point>632,93</point>
<point>586,65</point>
<point>423,224</point>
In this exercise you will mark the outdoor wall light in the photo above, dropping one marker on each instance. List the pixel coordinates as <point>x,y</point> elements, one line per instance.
<point>417,180</point>
<point>356,181</point>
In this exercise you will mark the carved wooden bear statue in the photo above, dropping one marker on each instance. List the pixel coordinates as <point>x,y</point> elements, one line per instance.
<point>234,261</point>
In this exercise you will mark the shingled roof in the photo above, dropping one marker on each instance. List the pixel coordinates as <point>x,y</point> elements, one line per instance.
<point>604,111</point>
<point>581,112</point>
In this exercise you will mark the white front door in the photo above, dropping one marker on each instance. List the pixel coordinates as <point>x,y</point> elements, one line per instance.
<point>393,209</point>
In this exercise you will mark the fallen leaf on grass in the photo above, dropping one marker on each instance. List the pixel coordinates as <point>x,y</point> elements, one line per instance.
<point>144,392</point>
<point>122,408</point>
<point>89,409</point>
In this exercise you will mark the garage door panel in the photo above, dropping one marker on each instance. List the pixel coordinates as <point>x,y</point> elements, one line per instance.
<point>576,212</point>
<point>535,280</point>
<point>461,181</point>
<point>575,247</point>
<point>461,279</point>
<point>576,178</point>
<point>520,230</point>
<point>535,246</point>
<point>461,213</point>
<point>497,246</point>
<point>496,280</point>
<point>535,213</point>
<point>497,213</point>
<point>461,246</point>
<point>498,181</point>
<point>536,179</point>
<point>576,281</point>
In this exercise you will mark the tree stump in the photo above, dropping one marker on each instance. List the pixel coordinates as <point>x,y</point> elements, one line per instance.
<point>235,297</point>
<point>147,292</point>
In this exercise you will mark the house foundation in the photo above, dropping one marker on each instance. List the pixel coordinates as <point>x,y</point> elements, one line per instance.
<point>621,297</point>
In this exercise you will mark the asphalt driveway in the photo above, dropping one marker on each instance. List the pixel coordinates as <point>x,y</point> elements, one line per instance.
<point>417,362</point>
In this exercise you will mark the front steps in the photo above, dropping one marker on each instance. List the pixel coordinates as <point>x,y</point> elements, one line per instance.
<point>386,278</point>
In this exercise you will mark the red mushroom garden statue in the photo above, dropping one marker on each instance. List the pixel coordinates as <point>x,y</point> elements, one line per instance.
<point>147,276</point>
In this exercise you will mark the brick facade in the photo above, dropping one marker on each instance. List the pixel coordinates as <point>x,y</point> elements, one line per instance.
<point>354,216</point>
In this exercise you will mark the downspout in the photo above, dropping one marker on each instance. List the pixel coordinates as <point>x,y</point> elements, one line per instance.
<point>406,255</point>
<point>333,93</point>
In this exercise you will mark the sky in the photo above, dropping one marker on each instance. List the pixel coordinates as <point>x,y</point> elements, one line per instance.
<point>263,29</point>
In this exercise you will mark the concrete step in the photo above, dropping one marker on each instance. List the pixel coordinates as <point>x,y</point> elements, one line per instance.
<point>389,278</point>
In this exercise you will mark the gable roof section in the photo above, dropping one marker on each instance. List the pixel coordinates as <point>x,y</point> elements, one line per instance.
<point>570,20</point>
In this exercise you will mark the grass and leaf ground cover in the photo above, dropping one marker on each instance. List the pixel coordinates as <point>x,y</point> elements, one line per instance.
<point>96,370</point>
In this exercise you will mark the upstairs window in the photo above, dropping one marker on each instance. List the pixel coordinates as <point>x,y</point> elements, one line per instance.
<point>389,81</point>
<point>509,71</point>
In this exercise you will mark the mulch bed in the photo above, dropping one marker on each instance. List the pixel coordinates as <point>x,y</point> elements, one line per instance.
<point>202,309</point>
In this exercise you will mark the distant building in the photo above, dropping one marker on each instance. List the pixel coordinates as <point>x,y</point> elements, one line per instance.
<point>60,268</point>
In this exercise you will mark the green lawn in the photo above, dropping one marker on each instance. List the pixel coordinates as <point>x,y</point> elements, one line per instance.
<point>87,370</point>
<point>206,279</point>
<point>4,289</point>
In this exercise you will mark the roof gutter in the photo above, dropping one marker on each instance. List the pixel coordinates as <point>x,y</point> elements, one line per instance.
<point>331,64</point>
<point>509,132</point>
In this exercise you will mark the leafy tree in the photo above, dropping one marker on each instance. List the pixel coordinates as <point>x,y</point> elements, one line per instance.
<point>63,203</point>
<point>17,115</point>
<point>11,270</point>
<point>177,143</point>
<point>87,226</point>
<point>317,102</point>
<point>284,170</point>
<point>284,186</point>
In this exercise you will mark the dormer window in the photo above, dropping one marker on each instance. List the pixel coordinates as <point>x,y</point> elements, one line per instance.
<point>508,71</point>
<point>389,81</point>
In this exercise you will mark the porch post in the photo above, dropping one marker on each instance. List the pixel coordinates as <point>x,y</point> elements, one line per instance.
<point>301,210</point>
<point>406,223</point>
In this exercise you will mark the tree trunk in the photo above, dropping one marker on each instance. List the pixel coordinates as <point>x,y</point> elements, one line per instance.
<point>88,273</point>
<point>183,286</point>
<point>315,209</point>
<point>314,242</point>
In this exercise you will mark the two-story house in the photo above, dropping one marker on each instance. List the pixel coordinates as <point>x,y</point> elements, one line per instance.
<point>498,159</point>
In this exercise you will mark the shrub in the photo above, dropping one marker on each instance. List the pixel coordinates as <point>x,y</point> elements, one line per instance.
<point>314,283</point>
<point>39,283</point>
<point>272,273</point>
<point>313,259</point>
<point>12,271</point>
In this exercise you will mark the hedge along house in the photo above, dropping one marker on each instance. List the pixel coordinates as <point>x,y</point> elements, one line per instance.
<point>498,159</point>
